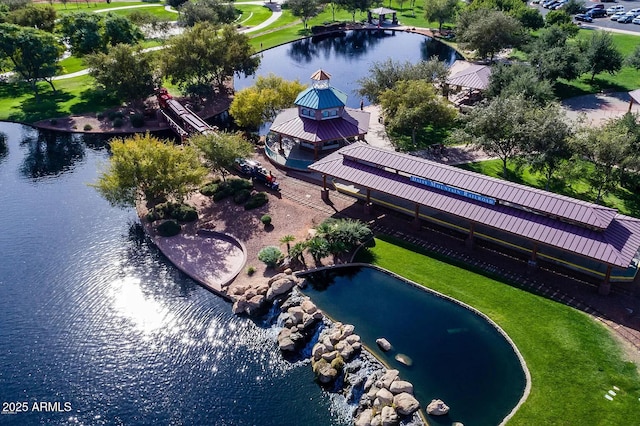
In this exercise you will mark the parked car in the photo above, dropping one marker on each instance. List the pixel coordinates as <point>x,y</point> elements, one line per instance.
<point>559,6</point>
<point>596,13</point>
<point>636,21</point>
<point>583,17</point>
<point>596,6</point>
<point>633,12</point>
<point>615,9</point>
<point>625,19</point>
<point>616,16</point>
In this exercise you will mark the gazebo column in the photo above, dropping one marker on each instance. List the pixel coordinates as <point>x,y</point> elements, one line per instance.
<point>369,17</point>
<point>630,105</point>
<point>605,286</point>
<point>469,241</point>
<point>315,151</point>
<point>416,218</point>
<point>280,142</point>
<point>368,205</point>
<point>324,193</point>
<point>533,263</point>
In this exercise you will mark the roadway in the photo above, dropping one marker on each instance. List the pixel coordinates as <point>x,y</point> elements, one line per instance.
<point>605,23</point>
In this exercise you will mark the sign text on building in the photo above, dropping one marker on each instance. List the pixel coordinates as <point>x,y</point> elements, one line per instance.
<point>453,190</point>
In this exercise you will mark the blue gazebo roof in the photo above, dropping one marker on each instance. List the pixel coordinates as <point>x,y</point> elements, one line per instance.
<point>320,99</point>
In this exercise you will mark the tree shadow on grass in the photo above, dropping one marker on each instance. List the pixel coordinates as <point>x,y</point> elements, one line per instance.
<point>565,91</point>
<point>46,106</point>
<point>94,100</point>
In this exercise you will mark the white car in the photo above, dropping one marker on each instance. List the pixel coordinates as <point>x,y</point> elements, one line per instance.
<point>617,15</point>
<point>636,21</point>
<point>634,12</point>
<point>615,9</point>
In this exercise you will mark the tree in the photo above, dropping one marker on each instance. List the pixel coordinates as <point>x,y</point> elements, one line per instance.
<point>601,54</point>
<point>125,71</point>
<point>384,75</point>
<point>83,32</point>
<point>260,103</point>
<point>287,239</point>
<point>33,53</point>
<point>633,60</point>
<point>548,146</point>
<point>211,11</point>
<point>413,105</point>
<point>142,167</point>
<point>488,31</point>
<point>42,17</point>
<point>529,18</point>
<point>606,148</point>
<point>557,17</point>
<point>221,149</point>
<point>203,56</point>
<point>318,248</point>
<point>120,30</point>
<point>519,79</point>
<point>553,57</point>
<point>498,128</point>
<point>304,9</point>
<point>440,10</point>
<point>353,6</point>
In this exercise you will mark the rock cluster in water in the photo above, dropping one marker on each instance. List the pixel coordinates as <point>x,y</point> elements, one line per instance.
<point>337,358</point>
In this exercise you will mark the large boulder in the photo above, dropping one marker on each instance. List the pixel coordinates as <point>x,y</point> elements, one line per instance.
<point>277,277</point>
<point>388,377</point>
<point>405,404</point>
<point>318,350</point>
<point>239,306</point>
<point>400,386</point>
<point>296,314</point>
<point>437,408</point>
<point>280,286</point>
<point>364,418</point>
<point>326,373</point>
<point>384,344</point>
<point>255,303</point>
<point>286,344</point>
<point>308,307</point>
<point>384,396</point>
<point>389,416</point>
<point>353,338</point>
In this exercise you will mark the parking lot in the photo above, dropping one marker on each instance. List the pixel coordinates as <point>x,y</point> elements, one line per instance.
<point>606,22</point>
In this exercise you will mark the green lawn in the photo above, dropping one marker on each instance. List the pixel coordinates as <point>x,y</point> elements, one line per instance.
<point>625,200</point>
<point>71,64</point>
<point>573,360</point>
<point>252,15</point>
<point>153,9</point>
<point>82,6</point>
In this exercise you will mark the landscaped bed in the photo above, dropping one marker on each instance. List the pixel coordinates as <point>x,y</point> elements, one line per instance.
<point>574,361</point>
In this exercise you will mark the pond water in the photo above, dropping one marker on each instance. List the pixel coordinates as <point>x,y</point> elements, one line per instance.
<point>347,57</point>
<point>92,315</point>
<point>457,355</point>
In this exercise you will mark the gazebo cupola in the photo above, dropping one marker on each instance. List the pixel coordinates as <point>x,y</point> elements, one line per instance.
<point>321,101</point>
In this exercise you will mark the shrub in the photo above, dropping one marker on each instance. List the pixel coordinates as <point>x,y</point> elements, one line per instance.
<point>270,255</point>
<point>242,196</point>
<point>53,122</point>
<point>112,115</point>
<point>220,195</point>
<point>118,122</point>
<point>137,120</point>
<point>337,363</point>
<point>266,220</point>
<point>169,228</point>
<point>177,211</point>
<point>209,189</point>
<point>251,270</point>
<point>100,116</point>
<point>231,187</point>
<point>88,127</point>
<point>257,200</point>
<point>154,214</point>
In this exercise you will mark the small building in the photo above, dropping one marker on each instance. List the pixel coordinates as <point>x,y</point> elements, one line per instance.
<point>592,240</point>
<point>320,122</point>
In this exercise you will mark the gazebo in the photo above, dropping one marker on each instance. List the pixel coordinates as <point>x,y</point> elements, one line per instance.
<point>471,76</point>
<point>320,121</point>
<point>382,12</point>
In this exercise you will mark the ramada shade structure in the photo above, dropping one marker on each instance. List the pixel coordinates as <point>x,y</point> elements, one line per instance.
<point>473,76</point>
<point>588,230</point>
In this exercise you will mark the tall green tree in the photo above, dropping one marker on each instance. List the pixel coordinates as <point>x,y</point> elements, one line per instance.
<point>553,57</point>
<point>214,12</point>
<point>83,32</point>
<point>304,9</point>
<point>488,31</point>
<point>260,103</point>
<point>499,128</point>
<point>144,168</point>
<point>519,79</point>
<point>548,144</point>
<point>221,149</point>
<point>633,60</point>
<point>33,53</point>
<point>125,71</point>
<point>353,6</point>
<point>414,104</point>
<point>606,148</point>
<point>42,17</point>
<point>601,54</point>
<point>206,56</point>
<point>440,11</point>
<point>120,30</point>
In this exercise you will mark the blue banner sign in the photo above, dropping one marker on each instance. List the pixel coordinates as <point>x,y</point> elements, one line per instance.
<point>453,190</point>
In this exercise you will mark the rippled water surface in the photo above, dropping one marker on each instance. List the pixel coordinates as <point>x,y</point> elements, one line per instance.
<point>92,315</point>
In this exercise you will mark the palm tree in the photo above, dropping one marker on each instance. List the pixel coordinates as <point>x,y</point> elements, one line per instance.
<point>287,239</point>
<point>318,247</point>
<point>297,253</point>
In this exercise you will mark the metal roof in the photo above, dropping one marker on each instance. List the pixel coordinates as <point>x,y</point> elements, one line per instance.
<point>635,95</point>
<point>615,245</point>
<point>352,123</point>
<point>382,11</point>
<point>474,77</point>
<point>321,98</point>
<point>321,75</point>
<point>548,203</point>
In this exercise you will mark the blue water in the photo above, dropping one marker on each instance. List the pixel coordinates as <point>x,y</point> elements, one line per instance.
<point>92,315</point>
<point>457,355</point>
<point>347,58</point>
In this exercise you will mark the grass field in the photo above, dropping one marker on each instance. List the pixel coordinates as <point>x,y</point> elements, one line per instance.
<point>573,360</point>
<point>252,15</point>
